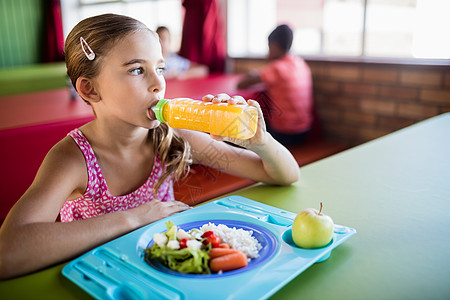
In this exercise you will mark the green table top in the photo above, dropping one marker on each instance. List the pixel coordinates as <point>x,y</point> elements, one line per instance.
<point>395,191</point>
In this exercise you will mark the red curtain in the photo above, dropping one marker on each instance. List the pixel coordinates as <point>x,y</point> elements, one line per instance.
<point>53,49</point>
<point>203,38</point>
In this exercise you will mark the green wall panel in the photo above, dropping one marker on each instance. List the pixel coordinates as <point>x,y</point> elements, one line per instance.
<point>21,32</point>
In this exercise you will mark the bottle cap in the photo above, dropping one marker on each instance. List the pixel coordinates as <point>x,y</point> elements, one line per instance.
<point>158,110</point>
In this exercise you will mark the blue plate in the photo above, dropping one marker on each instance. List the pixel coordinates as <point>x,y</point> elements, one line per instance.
<point>264,236</point>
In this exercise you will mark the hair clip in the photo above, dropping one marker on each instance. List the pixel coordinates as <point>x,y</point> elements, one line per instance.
<point>91,54</point>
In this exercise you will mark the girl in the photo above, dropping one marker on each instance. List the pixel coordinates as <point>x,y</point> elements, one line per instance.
<point>114,174</point>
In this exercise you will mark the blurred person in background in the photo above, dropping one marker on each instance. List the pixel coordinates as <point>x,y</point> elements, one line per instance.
<point>176,66</point>
<point>288,83</point>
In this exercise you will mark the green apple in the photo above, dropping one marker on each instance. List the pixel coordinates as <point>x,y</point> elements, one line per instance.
<point>312,229</point>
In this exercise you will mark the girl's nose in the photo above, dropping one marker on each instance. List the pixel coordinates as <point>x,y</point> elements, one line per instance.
<point>157,83</point>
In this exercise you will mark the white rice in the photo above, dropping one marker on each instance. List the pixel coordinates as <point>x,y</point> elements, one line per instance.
<point>239,239</point>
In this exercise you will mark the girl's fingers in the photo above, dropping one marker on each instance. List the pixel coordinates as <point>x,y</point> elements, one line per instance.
<point>237,100</point>
<point>220,98</point>
<point>258,107</point>
<point>253,103</point>
<point>216,99</point>
<point>207,98</point>
<point>181,205</point>
<point>176,207</point>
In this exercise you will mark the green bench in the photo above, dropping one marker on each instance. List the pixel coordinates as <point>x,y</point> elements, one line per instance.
<point>32,78</point>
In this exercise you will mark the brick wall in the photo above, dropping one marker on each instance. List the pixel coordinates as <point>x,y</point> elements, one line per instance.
<point>357,102</point>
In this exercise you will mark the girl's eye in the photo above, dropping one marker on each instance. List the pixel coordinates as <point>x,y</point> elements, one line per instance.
<point>137,71</point>
<point>160,70</point>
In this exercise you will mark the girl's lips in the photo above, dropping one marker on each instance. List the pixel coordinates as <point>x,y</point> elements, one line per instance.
<point>151,114</point>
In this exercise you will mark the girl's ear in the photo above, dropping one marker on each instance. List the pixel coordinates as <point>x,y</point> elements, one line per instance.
<point>86,89</point>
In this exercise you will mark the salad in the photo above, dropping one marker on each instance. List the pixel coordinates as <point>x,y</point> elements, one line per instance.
<point>200,251</point>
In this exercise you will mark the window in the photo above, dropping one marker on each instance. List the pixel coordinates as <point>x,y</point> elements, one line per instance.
<point>152,13</point>
<point>249,23</point>
<point>375,28</point>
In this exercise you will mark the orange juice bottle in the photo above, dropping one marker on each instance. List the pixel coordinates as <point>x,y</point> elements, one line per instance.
<point>235,121</point>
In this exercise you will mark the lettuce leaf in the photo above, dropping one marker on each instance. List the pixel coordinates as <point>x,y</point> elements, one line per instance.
<point>171,230</point>
<point>185,260</point>
<point>182,260</point>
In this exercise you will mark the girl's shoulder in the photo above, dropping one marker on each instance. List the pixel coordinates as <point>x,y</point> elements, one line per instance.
<point>67,149</point>
<point>65,158</point>
<point>61,175</point>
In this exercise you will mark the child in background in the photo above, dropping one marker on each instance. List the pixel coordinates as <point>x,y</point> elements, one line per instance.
<point>114,174</point>
<point>288,81</point>
<point>176,66</point>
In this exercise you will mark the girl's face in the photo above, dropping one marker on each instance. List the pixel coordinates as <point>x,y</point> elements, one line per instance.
<point>130,81</point>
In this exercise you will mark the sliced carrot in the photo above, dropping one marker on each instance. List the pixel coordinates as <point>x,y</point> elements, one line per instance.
<point>216,252</point>
<point>224,245</point>
<point>228,262</point>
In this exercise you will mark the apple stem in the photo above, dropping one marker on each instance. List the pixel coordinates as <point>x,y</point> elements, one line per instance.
<point>320,210</point>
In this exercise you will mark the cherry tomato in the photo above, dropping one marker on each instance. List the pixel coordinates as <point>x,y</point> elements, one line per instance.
<point>211,238</point>
<point>183,243</point>
<point>208,233</point>
<point>214,240</point>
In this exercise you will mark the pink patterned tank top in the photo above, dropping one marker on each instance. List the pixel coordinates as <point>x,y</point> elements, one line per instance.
<point>97,200</point>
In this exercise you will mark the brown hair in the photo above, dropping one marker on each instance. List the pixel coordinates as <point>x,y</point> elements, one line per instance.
<point>101,33</point>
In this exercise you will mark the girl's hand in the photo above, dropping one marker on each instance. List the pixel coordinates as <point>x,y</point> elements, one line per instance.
<point>155,210</point>
<point>259,139</point>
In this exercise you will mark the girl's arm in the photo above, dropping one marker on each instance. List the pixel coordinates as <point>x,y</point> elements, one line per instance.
<point>263,159</point>
<point>30,238</point>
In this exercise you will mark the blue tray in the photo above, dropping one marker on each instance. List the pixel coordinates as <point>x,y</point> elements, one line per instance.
<point>117,270</point>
